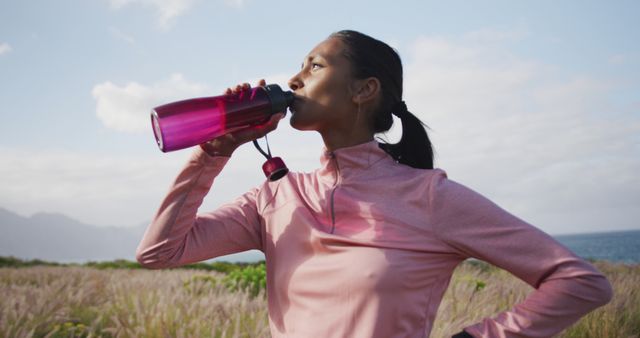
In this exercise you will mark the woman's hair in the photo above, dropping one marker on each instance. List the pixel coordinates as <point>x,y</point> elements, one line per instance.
<point>373,58</point>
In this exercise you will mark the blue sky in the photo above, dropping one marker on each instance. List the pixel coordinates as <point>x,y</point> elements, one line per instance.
<point>533,104</point>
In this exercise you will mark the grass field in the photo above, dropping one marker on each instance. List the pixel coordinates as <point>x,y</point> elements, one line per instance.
<point>94,301</point>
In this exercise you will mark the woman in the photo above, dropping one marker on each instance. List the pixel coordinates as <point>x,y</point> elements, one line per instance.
<point>365,246</point>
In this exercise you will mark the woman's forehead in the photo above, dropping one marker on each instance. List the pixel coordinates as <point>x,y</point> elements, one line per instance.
<point>331,49</point>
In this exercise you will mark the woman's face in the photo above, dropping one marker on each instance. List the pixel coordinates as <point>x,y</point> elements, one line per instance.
<point>323,89</point>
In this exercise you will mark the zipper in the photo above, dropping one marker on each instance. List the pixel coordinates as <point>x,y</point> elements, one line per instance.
<point>333,191</point>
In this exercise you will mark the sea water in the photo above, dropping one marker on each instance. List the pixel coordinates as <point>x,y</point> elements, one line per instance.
<point>619,246</point>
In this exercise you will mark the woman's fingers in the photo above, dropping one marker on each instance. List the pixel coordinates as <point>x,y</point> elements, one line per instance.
<point>226,144</point>
<point>272,124</point>
<point>257,132</point>
<point>244,86</point>
<point>234,90</point>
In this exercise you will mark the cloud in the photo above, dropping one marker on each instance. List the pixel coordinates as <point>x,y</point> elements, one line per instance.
<point>126,108</point>
<point>492,35</point>
<point>166,10</point>
<point>235,3</point>
<point>103,189</point>
<point>125,190</point>
<point>5,48</point>
<point>93,188</point>
<point>118,34</point>
<point>547,148</point>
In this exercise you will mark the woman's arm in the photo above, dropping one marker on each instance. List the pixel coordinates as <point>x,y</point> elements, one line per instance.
<point>178,236</point>
<point>567,287</point>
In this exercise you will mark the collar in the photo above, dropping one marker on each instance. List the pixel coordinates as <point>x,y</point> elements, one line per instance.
<point>351,160</point>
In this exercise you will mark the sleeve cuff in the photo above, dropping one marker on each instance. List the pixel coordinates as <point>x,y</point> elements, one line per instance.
<point>201,156</point>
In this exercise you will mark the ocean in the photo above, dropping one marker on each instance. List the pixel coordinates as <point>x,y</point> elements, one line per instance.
<point>614,246</point>
<point>618,246</point>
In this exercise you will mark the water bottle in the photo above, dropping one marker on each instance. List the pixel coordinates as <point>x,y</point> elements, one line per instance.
<point>187,123</point>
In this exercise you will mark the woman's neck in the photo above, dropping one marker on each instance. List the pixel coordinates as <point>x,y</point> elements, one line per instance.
<point>334,141</point>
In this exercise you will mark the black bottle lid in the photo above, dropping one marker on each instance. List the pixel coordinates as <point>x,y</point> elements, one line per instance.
<point>280,99</point>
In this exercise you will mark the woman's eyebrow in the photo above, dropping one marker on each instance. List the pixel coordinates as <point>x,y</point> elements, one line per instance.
<point>308,58</point>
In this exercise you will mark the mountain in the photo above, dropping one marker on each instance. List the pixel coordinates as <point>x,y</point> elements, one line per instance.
<point>57,237</point>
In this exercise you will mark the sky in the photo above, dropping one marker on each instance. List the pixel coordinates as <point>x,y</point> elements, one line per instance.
<point>535,105</point>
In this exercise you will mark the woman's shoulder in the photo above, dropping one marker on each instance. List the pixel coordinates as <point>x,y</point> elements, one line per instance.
<point>404,172</point>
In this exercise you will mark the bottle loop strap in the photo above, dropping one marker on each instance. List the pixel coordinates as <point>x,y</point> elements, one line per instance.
<point>265,154</point>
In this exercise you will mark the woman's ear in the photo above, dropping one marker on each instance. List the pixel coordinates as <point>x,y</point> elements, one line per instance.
<point>366,90</point>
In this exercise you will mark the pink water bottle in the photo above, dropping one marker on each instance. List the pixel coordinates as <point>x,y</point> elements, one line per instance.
<point>187,123</point>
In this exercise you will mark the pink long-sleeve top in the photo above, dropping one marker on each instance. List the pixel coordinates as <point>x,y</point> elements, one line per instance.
<point>365,247</point>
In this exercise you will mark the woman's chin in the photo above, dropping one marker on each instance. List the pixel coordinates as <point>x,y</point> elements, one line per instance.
<point>297,123</point>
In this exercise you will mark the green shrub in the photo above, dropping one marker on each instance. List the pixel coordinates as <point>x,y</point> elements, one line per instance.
<point>13,262</point>
<point>224,267</point>
<point>251,279</point>
<point>117,264</point>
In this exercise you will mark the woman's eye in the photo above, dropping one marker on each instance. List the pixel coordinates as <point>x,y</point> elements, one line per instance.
<point>315,66</point>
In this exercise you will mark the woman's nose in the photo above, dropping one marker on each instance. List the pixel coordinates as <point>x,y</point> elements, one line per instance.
<point>295,83</point>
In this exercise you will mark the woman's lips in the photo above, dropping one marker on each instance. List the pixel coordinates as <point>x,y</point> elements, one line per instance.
<point>296,103</point>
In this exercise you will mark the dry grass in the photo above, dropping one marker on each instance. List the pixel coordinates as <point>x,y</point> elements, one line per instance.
<point>87,302</point>
<point>464,304</point>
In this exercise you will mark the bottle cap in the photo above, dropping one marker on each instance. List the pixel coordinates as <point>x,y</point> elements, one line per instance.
<point>280,100</point>
<point>274,168</point>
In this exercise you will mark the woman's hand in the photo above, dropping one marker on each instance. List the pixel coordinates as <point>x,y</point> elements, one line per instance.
<point>226,144</point>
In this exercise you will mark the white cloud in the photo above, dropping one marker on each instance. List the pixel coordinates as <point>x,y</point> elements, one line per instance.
<point>492,35</point>
<point>547,148</point>
<point>96,189</point>
<point>235,3</point>
<point>5,48</point>
<point>125,190</point>
<point>126,108</point>
<point>166,10</point>
<point>118,34</point>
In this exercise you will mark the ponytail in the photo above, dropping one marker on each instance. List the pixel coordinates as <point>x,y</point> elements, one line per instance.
<point>370,57</point>
<point>414,148</point>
